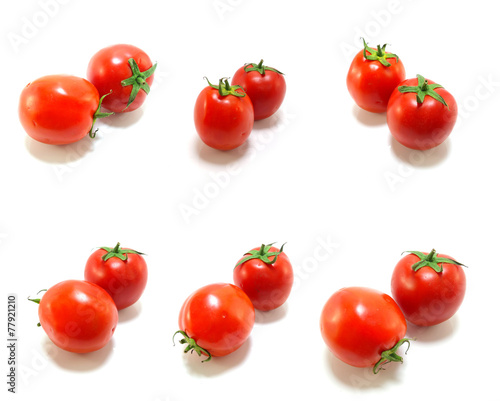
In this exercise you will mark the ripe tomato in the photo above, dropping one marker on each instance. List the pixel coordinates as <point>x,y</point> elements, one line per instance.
<point>264,85</point>
<point>223,115</point>
<point>122,272</point>
<point>124,70</point>
<point>216,320</point>
<point>266,276</point>
<point>78,316</point>
<point>428,287</point>
<point>372,78</point>
<point>59,109</point>
<point>421,114</point>
<point>363,327</point>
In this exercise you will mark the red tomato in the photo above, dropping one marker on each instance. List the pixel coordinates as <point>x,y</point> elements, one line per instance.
<point>59,109</point>
<point>124,70</point>
<point>216,320</point>
<point>421,114</point>
<point>428,287</point>
<point>266,276</point>
<point>122,272</point>
<point>264,85</point>
<point>372,78</point>
<point>78,316</point>
<point>363,327</point>
<point>223,116</point>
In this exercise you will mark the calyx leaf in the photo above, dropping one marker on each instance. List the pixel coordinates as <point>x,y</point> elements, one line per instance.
<point>117,252</point>
<point>263,254</point>
<point>225,89</point>
<point>378,54</point>
<point>423,89</point>
<point>137,80</point>
<point>260,68</point>
<point>432,260</point>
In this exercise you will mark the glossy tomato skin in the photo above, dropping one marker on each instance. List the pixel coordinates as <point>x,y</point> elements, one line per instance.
<point>219,317</point>
<point>420,126</point>
<point>223,122</point>
<point>123,280</point>
<point>109,67</point>
<point>371,84</point>
<point>78,316</point>
<point>267,285</point>
<point>266,92</point>
<point>358,324</point>
<point>58,109</point>
<point>425,296</point>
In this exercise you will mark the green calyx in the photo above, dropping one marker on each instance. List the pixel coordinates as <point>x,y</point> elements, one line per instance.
<point>37,301</point>
<point>423,89</point>
<point>191,345</point>
<point>378,54</point>
<point>260,68</point>
<point>391,355</point>
<point>98,114</point>
<point>432,260</point>
<point>137,80</point>
<point>117,252</point>
<point>262,254</point>
<point>225,89</point>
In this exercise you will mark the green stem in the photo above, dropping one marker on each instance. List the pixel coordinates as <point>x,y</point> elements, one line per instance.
<point>117,252</point>
<point>391,355</point>
<point>98,114</point>
<point>191,345</point>
<point>432,260</point>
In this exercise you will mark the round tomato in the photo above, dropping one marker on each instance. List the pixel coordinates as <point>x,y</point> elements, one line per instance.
<point>428,287</point>
<point>264,85</point>
<point>363,327</point>
<point>59,109</point>
<point>223,115</point>
<point>421,114</point>
<point>122,272</point>
<point>265,274</point>
<point>371,78</point>
<point>78,316</point>
<point>124,70</point>
<point>216,320</point>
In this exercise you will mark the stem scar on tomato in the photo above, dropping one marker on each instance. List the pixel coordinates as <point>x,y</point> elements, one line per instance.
<point>378,54</point>
<point>137,80</point>
<point>191,345</point>
<point>390,355</point>
<point>424,89</point>
<point>432,260</point>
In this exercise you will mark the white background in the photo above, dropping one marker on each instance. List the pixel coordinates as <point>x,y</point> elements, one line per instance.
<point>321,175</point>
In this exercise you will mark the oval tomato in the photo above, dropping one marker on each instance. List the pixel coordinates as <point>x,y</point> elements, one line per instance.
<point>124,70</point>
<point>264,85</point>
<point>122,272</point>
<point>371,78</point>
<point>428,287</point>
<point>421,114</point>
<point>223,116</point>
<point>265,274</point>
<point>59,109</point>
<point>216,320</point>
<point>78,316</point>
<point>363,327</point>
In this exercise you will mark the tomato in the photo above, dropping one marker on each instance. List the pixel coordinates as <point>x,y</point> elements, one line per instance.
<point>216,320</point>
<point>363,327</point>
<point>59,109</point>
<point>265,274</point>
<point>264,85</point>
<point>124,70</point>
<point>77,316</point>
<point>122,272</point>
<point>421,114</point>
<point>371,78</point>
<point>428,287</point>
<point>223,115</point>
